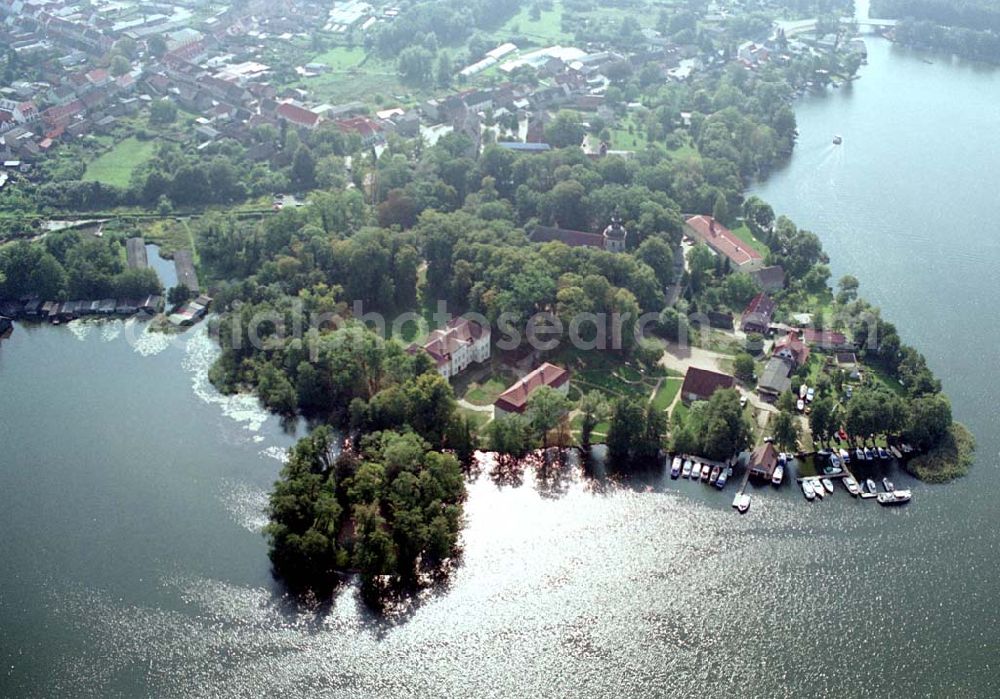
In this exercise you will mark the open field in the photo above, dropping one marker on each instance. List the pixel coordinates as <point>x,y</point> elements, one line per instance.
<point>117,165</point>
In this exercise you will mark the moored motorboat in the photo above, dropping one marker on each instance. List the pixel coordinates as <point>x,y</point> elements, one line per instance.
<point>723,477</point>
<point>803,390</point>
<point>899,497</point>
<point>827,485</point>
<point>859,454</point>
<point>778,475</point>
<point>882,454</point>
<point>706,471</point>
<point>818,488</point>
<point>870,484</point>
<point>714,477</point>
<point>845,456</point>
<point>851,485</point>
<point>808,490</point>
<point>800,405</point>
<point>686,471</point>
<point>869,454</point>
<point>896,453</point>
<point>887,484</point>
<point>675,467</point>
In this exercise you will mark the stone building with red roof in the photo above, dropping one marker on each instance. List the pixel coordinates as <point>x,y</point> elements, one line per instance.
<point>724,242</point>
<point>456,346</point>
<point>515,399</point>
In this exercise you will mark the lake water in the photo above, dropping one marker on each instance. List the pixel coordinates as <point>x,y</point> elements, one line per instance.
<point>131,496</point>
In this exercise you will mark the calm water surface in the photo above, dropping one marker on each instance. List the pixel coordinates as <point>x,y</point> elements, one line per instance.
<point>131,496</point>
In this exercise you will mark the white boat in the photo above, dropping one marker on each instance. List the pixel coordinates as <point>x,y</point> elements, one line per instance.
<point>871,485</point>
<point>800,405</point>
<point>818,488</point>
<point>675,468</point>
<point>810,394</point>
<point>859,454</point>
<point>898,497</point>
<point>808,490</point>
<point>883,454</point>
<point>851,485</point>
<point>868,496</point>
<point>887,484</point>
<point>845,456</point>
<point>686,471</point>
<point>706,471</point>
<point>778,475</point>
<point>723,477</point>
<point>743,503</point>
<point>803,390</point>
<point>827,484</point>
<point>714,478</point>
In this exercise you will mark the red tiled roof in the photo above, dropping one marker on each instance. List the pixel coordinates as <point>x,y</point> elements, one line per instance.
<point>824,338</point>
<point>700,384</point>
<point>723,240</point>
<point>515,398</point>
<point>360,125</point>
<point>791,343</point>
<point>441,344</point>
<point>297,115</point>
<point>759,312</point>
<point>763,460</point>
<point>575,239</point>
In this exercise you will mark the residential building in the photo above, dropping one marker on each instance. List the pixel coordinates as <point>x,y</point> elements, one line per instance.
<point>724,242</point>
<point>826,340</point>
<point>792,348</point>
<point>700,384</point>
<point>757,316</point>
<point>297,115</point>
<point>515,399</point>
<point>776,378</point>
<point>458,345</point>
<point>771,279</point>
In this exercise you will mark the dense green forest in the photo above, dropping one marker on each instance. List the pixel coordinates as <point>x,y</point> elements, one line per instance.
<point>967,28</point>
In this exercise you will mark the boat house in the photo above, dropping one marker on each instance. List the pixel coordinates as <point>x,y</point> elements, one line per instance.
<point>763,461</point>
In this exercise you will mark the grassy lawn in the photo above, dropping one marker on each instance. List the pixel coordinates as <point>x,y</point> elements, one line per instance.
<point>667,392</point>
<point>546,30</point>
<point>744,234</point>
<point>487,393</point>
<point>341,57</point>
<point>628,135</point>
<point>477,418</point>
<point>117,165</point>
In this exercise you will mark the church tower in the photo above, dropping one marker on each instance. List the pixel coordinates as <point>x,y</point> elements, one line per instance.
<point>615,235</point>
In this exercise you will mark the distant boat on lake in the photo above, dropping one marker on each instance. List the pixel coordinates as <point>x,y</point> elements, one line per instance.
<point>837,140</point>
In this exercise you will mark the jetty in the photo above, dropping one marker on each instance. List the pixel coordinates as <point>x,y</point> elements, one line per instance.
<point>135,251</point>
<point>186,275</point>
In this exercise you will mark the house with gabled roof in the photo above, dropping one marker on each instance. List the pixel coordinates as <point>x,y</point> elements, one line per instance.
<point>454,347</point>
<point>515,399</point>
<point>724,242</point>
<point>758,314</point>
<point>700,384</point>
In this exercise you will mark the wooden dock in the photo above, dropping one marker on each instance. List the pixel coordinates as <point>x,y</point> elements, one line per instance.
<point>186,275</point>
<point>135,250</point>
